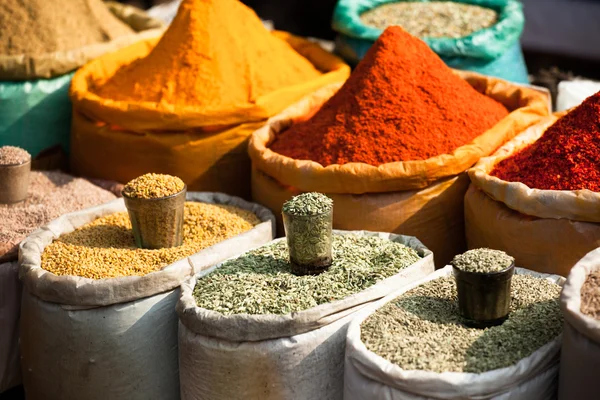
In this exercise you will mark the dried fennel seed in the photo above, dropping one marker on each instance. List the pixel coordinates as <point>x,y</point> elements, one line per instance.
<point>105,248</point>
<point>260,281</point>
<point>422,330</point>
<point>308,204</point>
<point>590,295</point>
<point>308,224</point>
<point>483,261</point>
<point>153,186</point>
<point>432,19</point>
<point>11,155</point>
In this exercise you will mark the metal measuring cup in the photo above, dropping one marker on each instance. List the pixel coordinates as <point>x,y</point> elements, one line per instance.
<point>157,223</point>
<point>14,182</point>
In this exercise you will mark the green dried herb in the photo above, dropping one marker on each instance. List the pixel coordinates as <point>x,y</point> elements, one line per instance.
<point>260,281</point>
<point>483,261</point>
<point>308,223</point>
<point>308,204</point>
<point>432,19</point>
<point>422,329</point>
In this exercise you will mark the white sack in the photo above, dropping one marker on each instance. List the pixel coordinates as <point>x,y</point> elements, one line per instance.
<point>573,93</point>
<point>370,377</point>
<point>580,355</point>
<point>111,338</point>
<point>273,357</point>
<point>10,308</point>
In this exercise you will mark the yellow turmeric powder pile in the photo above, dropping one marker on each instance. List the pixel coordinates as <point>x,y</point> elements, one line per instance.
<point>216,54</point>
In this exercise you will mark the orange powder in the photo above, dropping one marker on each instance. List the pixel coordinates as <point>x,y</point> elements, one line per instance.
<point>215,54</point>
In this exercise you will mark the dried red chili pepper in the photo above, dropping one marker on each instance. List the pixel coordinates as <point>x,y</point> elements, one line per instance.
<point>565,157</point>
<point>401,103</point>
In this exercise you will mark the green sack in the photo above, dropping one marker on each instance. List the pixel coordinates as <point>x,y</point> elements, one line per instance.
<point>492,51</point>
<point>36,114</point>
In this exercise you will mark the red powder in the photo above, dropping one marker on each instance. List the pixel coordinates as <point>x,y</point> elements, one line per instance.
<point>566,157</point>
<point>401,103</point>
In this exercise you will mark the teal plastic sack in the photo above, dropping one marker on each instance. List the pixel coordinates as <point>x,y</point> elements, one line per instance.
<point>36,115</point>
<point>492,51</point>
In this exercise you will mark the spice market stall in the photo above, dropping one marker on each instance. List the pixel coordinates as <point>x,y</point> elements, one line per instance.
<point>476,35</point>
<point>391,145</point>
<point>414,344</point>
<point>270,323</point>
<point>100,288</point>
<point>28,200</point>
<point>537,197</point>
<point>41,43</point>
<point>214,77</point>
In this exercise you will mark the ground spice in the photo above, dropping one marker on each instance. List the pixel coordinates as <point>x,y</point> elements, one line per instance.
<point>50,195</point>
<point>215,54</point>
<point>482,261</point>
<point>401,103</point>
<point>565,157</point>
<point>153,186</point>
<point>261,282</point>
<point>432,19</point>
<point>422,329</point>
<point>11,155</point>
<point>44,26</point>
<point>590,295</point>
<point>105,248</point>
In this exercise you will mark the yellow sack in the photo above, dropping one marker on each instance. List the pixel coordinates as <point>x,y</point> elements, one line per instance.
<point>417,198</point>
<point>50,65</point>
<point>119,141</point>
<point>545,230</point>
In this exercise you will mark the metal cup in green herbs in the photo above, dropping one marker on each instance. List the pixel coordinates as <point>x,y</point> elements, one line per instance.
<point>483,280</point>
<point>308,222</point>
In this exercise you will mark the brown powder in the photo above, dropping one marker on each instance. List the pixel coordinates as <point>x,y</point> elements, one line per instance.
<point>10,155</point>
<point>45,26</point>
<point>590,295</point>
<point>50,195</point>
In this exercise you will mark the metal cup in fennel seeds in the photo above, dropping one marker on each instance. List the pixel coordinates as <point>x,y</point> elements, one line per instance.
<point>308,221</point>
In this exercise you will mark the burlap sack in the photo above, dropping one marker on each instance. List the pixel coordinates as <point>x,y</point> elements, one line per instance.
<point>545,230</point>
<point>296,356</point>
<point>50,65</point>
<point>207,151</point>
<point>580,353</point>
<point>369,377</point>
<point>110,338</point>
<point>418,198</point>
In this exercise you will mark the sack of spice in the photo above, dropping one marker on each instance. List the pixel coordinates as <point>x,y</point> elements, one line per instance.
<point>537,197</point>
<point>413,344</point>
<point>250,329</point>
<point>94,302</point>
<point>10,307</point>
<point>580,353</point>
<point>476,35</point>
<point>211,80</point>
<point>390,146</point>
<point>39,49</point>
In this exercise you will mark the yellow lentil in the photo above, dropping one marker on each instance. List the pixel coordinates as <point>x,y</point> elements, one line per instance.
<point>105,248</point>
<point>153,186</point>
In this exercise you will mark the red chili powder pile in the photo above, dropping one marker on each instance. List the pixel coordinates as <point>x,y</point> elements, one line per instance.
<point>565,157</point>
<point>401,103</point>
